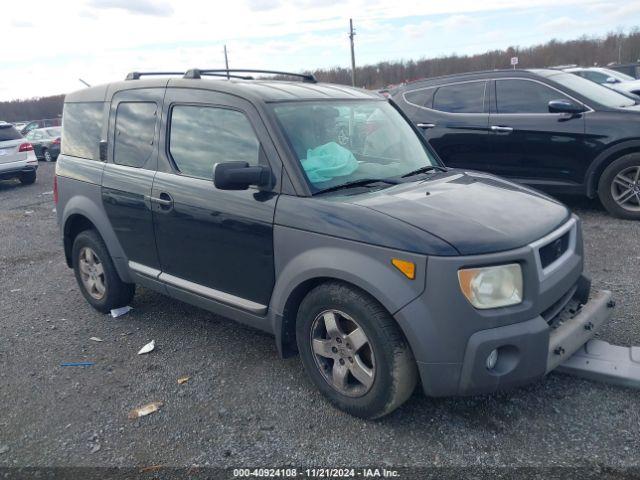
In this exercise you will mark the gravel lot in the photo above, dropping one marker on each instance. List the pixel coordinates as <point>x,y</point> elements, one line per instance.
<point>243,405</point>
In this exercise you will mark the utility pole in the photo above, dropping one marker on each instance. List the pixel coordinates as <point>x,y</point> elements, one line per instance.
<point>352,34</point>
<point>226,60</point>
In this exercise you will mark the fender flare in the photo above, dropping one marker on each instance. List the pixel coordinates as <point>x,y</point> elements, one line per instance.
<point>603,160</point>
<point>85,207</point>
<point>373,274</point>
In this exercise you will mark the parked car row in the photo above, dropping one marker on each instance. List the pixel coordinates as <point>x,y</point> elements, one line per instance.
<point>19,154</point>
<point>17,158</point>
<point>548,129</point>
<point>607,77</point>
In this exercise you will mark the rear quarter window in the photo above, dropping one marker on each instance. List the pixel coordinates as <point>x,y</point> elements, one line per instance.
<point>420,98</point>
<point>9,133</point>
<point>82,128</point>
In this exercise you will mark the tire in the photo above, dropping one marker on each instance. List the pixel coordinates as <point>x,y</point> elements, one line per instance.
<point>386,355</point>
<point>27,178</point>
<point>115,293</point>
<point>46,154</point>
<point>623,175</point>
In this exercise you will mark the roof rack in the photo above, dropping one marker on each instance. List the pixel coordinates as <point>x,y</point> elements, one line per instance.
<point>197,73</point>
<point>137,75</point>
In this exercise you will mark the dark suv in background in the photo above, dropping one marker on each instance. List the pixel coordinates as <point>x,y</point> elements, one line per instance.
<point>545,128</point>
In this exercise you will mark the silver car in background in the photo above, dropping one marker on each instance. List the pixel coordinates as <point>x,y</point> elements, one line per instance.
<point>17,158</point>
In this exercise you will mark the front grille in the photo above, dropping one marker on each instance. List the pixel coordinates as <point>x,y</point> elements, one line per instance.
<point>554,250</point>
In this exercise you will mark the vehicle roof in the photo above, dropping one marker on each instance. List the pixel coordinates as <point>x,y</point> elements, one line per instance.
<point>480,74</point>
<point>261,90</point>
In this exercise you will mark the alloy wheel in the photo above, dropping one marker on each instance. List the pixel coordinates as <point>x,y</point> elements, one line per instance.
<point>343,353</point>
<point>625,188</point>
<point>47,156</point>
<point>92,273</point>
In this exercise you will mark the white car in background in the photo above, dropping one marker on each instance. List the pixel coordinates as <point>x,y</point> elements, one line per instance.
<point>17,158</point>
<point>609,78</point>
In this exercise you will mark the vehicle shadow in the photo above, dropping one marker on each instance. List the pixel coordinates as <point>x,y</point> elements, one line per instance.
<point>9,185</point>
<point>581,203</point>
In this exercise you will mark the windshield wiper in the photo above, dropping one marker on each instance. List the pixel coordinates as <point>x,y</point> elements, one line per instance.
<point>358,183</point>
<point>426,168</point>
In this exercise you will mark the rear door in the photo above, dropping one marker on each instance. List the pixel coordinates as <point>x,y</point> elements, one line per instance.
<point>10,141</point>
<point>217,244</point>
<point>455,121</point>
<point>530,144</point>
<point>132,155</point>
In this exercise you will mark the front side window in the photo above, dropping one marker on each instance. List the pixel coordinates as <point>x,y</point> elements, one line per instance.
<point>337,142</point>
<point>82,126</point>
<point>134,133</point>
<point>460,98</point>
<point>202,136</point>
<point>523,96</point>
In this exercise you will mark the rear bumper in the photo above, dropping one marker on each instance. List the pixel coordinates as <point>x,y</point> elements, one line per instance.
<point>526,351</point>
<point>14,169</point>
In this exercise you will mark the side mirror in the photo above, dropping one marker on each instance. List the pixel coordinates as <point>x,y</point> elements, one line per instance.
<point>611,80</point>
<point>239,175</point>
<point>565,106</point>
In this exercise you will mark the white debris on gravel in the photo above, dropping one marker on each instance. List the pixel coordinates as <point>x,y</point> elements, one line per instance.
<point>118,312</point>
<point>147,348</point>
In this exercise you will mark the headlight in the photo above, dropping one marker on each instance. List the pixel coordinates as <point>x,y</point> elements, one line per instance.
<point>492,287</point>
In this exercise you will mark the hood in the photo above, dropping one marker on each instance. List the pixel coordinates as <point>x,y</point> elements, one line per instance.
<point>474,212</point>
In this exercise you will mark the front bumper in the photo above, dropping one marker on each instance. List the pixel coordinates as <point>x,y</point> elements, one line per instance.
<point>451,340</point>
<point>529,350</point>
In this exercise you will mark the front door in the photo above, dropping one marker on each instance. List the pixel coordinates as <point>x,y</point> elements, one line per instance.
<point>530,144</point>
<point>217,244</point>
<point>134,124</point>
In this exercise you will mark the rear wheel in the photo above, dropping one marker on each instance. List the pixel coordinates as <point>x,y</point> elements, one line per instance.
<point>96,275</point>
<point>47,155</point>
<point>353,351</point>
<point>27,178</point>
<point>619,187</point>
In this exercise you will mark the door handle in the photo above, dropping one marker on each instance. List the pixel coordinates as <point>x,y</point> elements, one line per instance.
<point>500,128</point>
<point>425,125</point>
<point>164,201</point>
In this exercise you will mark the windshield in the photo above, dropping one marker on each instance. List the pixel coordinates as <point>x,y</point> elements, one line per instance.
<point>593,91</point>
<point>339,142</point>
<point>623,77</point>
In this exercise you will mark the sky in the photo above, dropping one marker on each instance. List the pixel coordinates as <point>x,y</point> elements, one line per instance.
<point>48,46</point>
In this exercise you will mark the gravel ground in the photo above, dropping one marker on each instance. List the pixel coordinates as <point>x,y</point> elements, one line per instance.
<point>243,405</point>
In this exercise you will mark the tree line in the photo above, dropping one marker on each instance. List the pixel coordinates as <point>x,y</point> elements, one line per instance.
<point>585,51</point>
<point>31,109</point>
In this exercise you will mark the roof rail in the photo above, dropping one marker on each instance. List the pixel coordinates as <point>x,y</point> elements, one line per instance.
<point>197,73</point>
<point>137,75</point>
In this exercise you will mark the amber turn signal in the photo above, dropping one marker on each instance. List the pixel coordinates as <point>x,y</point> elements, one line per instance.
<point>408,269</point>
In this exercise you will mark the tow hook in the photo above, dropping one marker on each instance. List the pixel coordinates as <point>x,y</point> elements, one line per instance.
<point>559,351</point>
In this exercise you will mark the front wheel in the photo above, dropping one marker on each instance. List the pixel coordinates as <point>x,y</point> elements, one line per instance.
<point>619,187</point>
<point>96,275</point>
<point>353,351</point>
